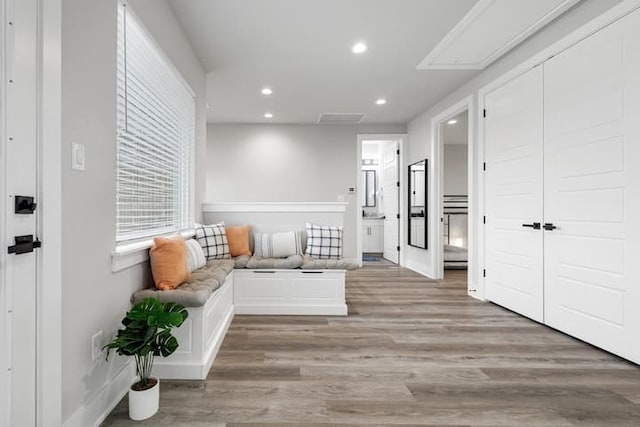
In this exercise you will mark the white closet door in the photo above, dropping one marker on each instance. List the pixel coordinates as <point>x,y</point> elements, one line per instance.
<point>390,200</point>
<point>592,189</point>
<point>513,153</point>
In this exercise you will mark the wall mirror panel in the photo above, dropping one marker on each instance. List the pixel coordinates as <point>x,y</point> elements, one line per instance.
<point>417,217</point>
<point>369,186</point>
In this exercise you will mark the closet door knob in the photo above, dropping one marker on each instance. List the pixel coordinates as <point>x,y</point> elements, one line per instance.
<point>549,226</point>
<point>535,225</point>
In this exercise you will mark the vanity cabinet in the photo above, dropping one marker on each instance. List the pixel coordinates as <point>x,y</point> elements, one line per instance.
<point>373,235</point>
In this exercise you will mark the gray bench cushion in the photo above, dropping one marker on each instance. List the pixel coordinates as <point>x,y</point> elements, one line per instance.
<point>329,264</point>
<point>241,261</point>
<point>195,292</point>
<point>291,262</point>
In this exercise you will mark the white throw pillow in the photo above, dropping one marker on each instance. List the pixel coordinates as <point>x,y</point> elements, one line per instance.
<point>324,241</point>
<point>277,245</point>
<point>195,255</point>
<point>213,241</point>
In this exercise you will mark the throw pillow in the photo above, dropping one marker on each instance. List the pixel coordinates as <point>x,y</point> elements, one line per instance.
<point>195,256</point>
<point>169,263</point>
<point>277,245</point>
<point>324,241</point>
<point>238,238</point>
<point>213,240</point>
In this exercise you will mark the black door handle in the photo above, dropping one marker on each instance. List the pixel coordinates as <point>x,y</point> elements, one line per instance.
<point>24,245</point>
<point>535,225</point>
<point>549,226</point>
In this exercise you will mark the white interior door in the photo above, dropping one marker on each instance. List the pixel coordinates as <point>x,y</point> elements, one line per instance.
<point>513,154</point>
<point>390,200</point>
<point>19,167</point>
<point>592,189</point>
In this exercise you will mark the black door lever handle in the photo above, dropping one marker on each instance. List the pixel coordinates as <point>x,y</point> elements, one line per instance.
<point>549,226</point>
<point>535,225</point>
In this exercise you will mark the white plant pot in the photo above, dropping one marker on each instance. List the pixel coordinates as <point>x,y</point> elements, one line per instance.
<point>144,404</point>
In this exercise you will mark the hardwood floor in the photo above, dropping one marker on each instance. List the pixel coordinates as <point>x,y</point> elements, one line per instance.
<point>411,352</point>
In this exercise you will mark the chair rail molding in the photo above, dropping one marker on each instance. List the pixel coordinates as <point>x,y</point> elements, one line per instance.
<point>275,207</point>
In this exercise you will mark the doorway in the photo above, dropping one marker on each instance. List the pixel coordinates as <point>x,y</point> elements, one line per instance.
<point>379,195</point>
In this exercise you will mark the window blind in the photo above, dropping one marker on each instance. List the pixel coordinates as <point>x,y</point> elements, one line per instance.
<point>155,136</point>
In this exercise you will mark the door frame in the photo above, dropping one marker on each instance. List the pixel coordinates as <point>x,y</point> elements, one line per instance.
<point>437,189</point>
<point>400,138</point>
<point>616,12</point>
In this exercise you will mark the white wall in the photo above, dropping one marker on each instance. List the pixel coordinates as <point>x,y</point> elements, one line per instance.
<point>285,163</point>
<point>419,129</point>
<point>455,169</point>
<point>93,297</point>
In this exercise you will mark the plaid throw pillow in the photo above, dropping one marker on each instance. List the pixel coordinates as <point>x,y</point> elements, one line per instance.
<point>213,241</point>
<point>324,241</point>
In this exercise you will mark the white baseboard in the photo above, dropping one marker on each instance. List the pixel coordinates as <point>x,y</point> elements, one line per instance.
<point>294,310</point>
<point>420,268</point>
<point>96,409</point>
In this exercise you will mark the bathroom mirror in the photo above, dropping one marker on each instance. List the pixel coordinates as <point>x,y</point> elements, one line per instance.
<point>418,204</point>
<point>369,187</point>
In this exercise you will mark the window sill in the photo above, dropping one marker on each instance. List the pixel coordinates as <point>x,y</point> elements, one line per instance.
<point>127,255</point>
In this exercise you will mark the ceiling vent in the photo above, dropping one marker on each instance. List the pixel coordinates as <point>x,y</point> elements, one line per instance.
<point>340,119</point>
<point>489,30</point>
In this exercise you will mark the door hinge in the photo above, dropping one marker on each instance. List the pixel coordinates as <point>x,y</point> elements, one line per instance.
<point>484,166</point>
<point>484,219</point>
<point>484,112</point>
<point>484,273</point>
<point>398,184</point>
<point>398,248</point>
<point>398,216</point>
<point>398,152</point>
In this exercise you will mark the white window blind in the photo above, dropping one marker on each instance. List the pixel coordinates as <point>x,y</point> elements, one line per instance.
<point>155,136</point>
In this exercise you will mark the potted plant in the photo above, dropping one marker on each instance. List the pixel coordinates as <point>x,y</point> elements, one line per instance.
<point>147,334</point>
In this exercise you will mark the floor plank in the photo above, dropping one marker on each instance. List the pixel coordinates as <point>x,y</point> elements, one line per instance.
<point>412,352</point>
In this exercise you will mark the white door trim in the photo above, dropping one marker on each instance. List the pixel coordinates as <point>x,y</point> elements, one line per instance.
<point>5,385</point>
<point>437,189</point>
<point>620,10</point>
<point>401,139</point>
<point>49,104</point>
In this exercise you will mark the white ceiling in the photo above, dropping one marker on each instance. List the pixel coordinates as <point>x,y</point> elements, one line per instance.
<point>457,133</point>
<point>302,50</point>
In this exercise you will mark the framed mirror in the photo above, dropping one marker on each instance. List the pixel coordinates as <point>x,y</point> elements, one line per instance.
<point>369,185</point>
<point>417,218</point>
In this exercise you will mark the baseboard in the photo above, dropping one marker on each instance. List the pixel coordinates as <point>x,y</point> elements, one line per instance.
<point>419,268</point>
<point>294,310</point>
<point>96,409</point>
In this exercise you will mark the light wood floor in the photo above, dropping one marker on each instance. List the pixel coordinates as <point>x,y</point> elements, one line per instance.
<point>411,352</point>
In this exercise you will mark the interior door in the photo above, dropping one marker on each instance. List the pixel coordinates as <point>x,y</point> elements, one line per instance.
<point>592,189</point>
<point>19,167</point>
<point>513,154</point>
<point>390,179</point>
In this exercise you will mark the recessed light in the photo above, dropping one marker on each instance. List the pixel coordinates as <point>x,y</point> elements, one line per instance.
<point>268,115</point>
<point>381,101</point>
<point>452,122</point>
<point>359,48</point>
<point>267,91</point>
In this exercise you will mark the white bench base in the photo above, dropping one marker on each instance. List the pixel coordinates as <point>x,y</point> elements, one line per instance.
<point>200,337</point>
<point>290,292</point>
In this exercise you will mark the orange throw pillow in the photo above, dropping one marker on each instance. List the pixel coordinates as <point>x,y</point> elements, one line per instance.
<point>169,263</point>
<point>238,238</point>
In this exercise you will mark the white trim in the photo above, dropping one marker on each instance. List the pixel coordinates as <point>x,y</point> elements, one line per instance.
<point>401,139</point>
<point>615,13</point>
<point>99,406</point>
<point>49,325</point>
<point>437,175</point>
<point>274,207</point>
<point>474,13</point>
<point>419,268</point>
<point>5,348</point>
<point>129,254</point>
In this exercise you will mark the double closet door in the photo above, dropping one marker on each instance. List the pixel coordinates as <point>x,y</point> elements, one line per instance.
<point>563,191</point>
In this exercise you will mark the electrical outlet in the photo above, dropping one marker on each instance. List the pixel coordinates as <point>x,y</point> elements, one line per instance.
<point>97,341</point>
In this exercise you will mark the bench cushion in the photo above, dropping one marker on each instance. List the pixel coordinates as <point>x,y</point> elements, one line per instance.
<point>197,290</point>
<point>310,263</point>
<point>291,262</point>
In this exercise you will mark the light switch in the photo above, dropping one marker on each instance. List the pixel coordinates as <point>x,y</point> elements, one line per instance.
<point>77,157</point>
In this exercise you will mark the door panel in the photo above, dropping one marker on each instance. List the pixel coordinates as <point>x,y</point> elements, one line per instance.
<point>390,200</point>
<point>592,189</point>
<point>513,153</point>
